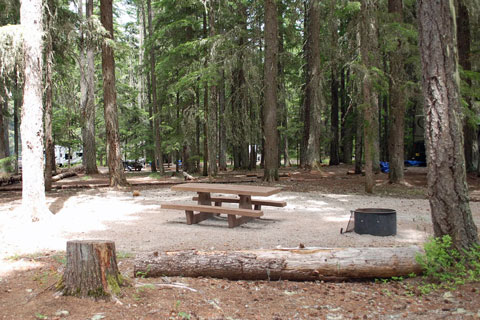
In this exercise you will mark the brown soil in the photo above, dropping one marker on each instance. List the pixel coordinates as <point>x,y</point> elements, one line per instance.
<point>27,283</point>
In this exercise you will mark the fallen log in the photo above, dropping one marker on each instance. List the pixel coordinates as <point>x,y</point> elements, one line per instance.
<point>187,177</point>
<point>63,175</point>
<point>306,264</point>
<point>10,179</point>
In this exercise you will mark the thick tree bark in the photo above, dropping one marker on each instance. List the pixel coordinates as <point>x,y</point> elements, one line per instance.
<point>348,120</point>
<point>89,148</point>
<point>358,140</point>
<point>397,101</point>
<point>149,109</point>
<point>334,136</point>
<point>16,106</point>
<point>307,264</point>
<point>91,269</point>
<point>368,49</point>
<point>213,105</point>
<point>252,162</point>
<point>3,128</point>
<point>115,165</point>
<point>49,147</point>
<point>282,101</point>
<point>205,106</point>
<point>33,186</point>
<point>270,91</point>
<point>313,89</point>
<point>464,40</point>
<point>156,107</point>
<point>447,187</point>
<point>305,103</point>
<point>205,130</point>
<point>222,157</point>
<point>239,98</point>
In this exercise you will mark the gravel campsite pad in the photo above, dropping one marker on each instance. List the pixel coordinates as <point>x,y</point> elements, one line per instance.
<point>318,205</point>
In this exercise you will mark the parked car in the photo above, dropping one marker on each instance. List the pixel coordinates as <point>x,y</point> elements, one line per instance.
<point>131,165</point>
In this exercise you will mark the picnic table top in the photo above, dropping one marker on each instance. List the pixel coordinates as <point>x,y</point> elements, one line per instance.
<point>228,189</point>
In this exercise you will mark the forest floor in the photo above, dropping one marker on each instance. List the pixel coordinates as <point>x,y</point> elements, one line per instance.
<point>32,258</point>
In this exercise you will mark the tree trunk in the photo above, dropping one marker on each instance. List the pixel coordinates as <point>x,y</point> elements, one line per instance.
<point>307,264</point>
<point>89,148</point>
<point>222,157</point>
<point>197,127</point>
<point>348,120</point>
<point>150,138</point>
<point>368,49</point>
<point>205,107</point>
<point>156,110</point>
<point>270,91</point>
<point>49,147</point>
<point>239,98</point>
<point>358,140</point>
<point>115,165</point>
<point>447,187</point>
<point>397,101</point>
<point>91,269</point>
<point>213,105</point>
<point>5,125</point>
<point>3,128</point>
<point>470,125</point>
<point>16,106</point>
<point>33,186</point>
<point>283,121</point>
<point>334,137</point>
<point>305,103</point>
<point>313,90</point>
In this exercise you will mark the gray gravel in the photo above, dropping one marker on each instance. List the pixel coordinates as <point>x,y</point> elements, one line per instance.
<point>137,224</point>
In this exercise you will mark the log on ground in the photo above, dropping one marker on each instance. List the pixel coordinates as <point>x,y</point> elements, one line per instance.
<point>306,264</point>
<point>91,269</point>
<point>8,179</point>
<point>63,175</point>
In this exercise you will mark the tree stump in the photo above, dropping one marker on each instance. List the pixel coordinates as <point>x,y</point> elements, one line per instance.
<point>91,269</point>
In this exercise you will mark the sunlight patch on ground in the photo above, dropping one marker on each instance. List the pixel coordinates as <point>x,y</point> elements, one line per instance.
<point>8,266</point>
<point>77,214</point>
<point>412,235</point>
<point>337,218</point>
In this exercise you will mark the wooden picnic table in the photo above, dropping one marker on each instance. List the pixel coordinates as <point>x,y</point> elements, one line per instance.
<point>207,210</point>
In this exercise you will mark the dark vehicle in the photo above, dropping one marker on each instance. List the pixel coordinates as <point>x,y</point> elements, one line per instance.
<point>131,165</point>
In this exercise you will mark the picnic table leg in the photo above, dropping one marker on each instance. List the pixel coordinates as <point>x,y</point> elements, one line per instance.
<point>204,198</point>
<point>234,221</point>
<point>245,202</point>
<point>189,215</point>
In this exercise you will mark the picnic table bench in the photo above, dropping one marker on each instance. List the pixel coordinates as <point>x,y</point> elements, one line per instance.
<point>247,208</point>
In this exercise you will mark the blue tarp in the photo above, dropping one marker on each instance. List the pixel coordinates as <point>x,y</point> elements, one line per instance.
<point>384,167</point>
<point>415,163</point>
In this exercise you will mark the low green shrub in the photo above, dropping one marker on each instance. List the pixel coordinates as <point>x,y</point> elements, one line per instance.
<point>445,267</point>
<point>7,165</point>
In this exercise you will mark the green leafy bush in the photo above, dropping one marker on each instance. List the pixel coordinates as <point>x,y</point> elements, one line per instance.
<point>7,164</point>
<point>445,267</point>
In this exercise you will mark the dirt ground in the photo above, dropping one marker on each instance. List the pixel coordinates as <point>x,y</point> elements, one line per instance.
<point>32,258</point>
